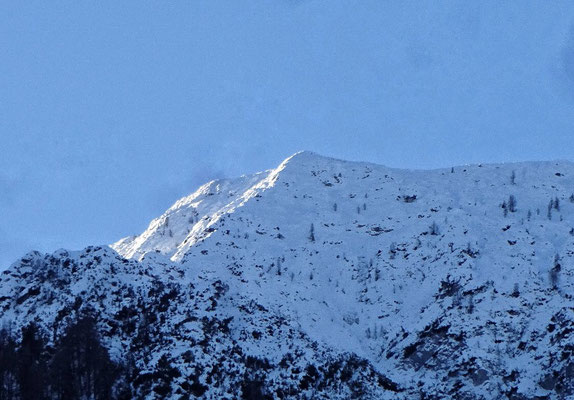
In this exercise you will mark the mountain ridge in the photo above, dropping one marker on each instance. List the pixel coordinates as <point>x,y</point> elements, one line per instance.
<point>448,283</point>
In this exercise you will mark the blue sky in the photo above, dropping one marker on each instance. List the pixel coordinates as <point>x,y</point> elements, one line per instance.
<point>110,111</point>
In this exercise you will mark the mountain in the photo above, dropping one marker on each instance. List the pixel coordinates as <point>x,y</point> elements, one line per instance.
<point>329,279</point>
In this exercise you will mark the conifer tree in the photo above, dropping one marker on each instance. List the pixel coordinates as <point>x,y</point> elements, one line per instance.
<point>312,233</point>
<point>31,367</point>
<point>512,203</point>
<point>81,367</point>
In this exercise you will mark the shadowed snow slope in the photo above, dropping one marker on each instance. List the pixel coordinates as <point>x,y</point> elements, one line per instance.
<point>449,283</point>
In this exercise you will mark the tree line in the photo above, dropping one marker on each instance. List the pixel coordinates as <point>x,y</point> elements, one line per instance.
<point>76,367</point>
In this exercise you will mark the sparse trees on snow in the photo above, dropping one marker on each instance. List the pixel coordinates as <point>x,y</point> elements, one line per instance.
<point>509,206</point>
<point>554,272</point>
<point>512,203</point>
<point>470,307</point>
<point>392,251</point>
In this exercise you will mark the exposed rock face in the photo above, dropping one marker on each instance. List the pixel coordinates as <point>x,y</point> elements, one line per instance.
<point>331,279</point>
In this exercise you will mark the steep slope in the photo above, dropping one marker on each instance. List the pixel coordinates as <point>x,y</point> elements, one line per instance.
<point>152,320</point>
<point>451,283</point>
<point>191,217</point>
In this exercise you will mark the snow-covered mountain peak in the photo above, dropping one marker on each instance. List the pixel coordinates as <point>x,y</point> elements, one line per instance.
<point>305,158</point>
<point>453,283</point>
<point>191,217</point>
<point>195,217</point>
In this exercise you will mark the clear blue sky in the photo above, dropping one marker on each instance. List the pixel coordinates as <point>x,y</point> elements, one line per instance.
<point>111,110</point>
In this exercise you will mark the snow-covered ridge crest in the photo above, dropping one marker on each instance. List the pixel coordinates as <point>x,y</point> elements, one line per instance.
<point>195,217</point>
<point>191,218</point>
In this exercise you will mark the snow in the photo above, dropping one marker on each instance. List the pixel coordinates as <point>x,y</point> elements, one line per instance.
<point>375,278</point>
